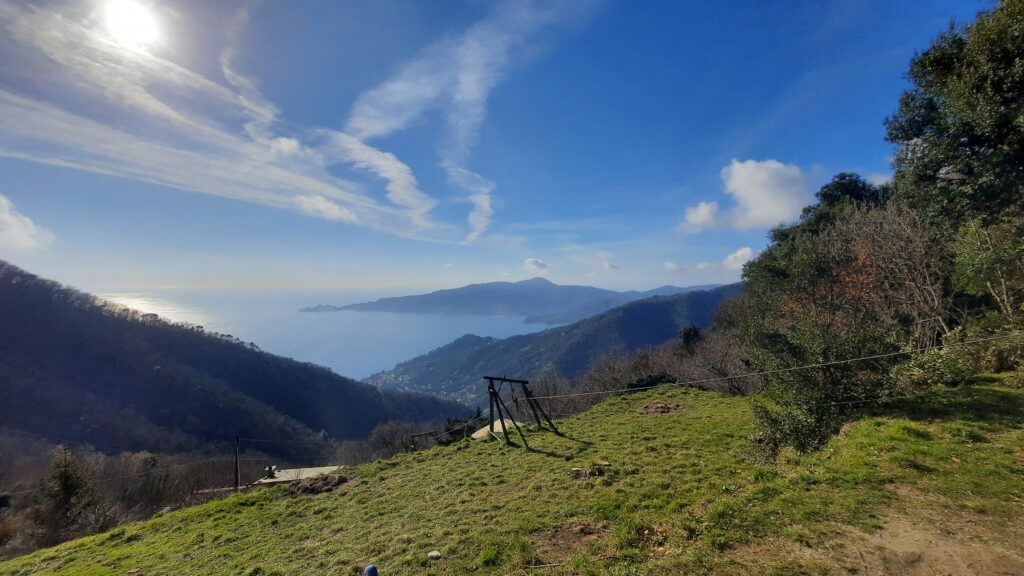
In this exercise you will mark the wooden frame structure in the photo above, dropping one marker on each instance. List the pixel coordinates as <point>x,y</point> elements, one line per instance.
<point>497,404</point>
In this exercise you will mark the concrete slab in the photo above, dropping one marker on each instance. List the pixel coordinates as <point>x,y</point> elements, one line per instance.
<point>484,433</point>
<point>296,474</point>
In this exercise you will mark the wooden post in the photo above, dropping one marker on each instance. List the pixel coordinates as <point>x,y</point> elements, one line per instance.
<point>490,410</point>
<point>535,405</point>
<point>237,474</point>
<point>514,423</point>
<point>501,416</point>
<point>530,403</point>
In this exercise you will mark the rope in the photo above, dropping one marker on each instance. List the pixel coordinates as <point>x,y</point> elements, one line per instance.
<point>782,370</point>
<point>154,470</point>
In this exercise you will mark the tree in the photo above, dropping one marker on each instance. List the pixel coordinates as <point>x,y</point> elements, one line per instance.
<point>66,495</point>
<point>959,129</point>
<point>910,261</point>
<point>989,260</point>
<point>815,298</point>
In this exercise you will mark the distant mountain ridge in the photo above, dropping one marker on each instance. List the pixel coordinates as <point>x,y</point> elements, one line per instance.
<point>76,368</point>
<point>453,371</point>
<point>536,299</point>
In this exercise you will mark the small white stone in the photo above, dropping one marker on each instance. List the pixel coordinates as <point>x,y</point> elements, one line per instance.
<point>434,555</point>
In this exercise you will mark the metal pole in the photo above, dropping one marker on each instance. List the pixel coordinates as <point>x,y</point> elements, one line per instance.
<point>237,475</point>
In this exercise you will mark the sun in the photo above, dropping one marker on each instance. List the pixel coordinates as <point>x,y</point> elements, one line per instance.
<point>131,24</point>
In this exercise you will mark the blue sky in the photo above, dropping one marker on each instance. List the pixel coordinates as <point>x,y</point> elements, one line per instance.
<point>416,145</point>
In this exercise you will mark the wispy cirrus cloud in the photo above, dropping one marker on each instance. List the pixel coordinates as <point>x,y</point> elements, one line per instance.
<point>137,114</point>
<point>133,114</point>
<point>457,76</point>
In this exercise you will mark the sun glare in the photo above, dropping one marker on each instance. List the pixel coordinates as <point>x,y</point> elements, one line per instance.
<point>131,24</point>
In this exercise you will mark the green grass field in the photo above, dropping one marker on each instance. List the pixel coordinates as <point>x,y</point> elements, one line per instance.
<point>683,495</point>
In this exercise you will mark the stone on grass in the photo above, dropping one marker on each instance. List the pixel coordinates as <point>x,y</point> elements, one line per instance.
<point>434,555</point>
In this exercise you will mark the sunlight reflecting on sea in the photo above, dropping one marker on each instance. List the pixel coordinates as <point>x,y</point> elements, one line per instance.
<point>166,309</point>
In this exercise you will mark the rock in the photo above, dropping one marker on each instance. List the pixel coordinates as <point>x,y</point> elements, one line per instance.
<point>434,555</point>
<point>579,473</point>
<point>485,432</point>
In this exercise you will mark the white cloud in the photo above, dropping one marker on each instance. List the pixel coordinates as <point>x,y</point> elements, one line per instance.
<point>154,121</point>
<point>764,193</point>
<point>704,266</point>
<point>878,179</point>
<point>18,233</point>
<point>670,267</point>
<point>480,197</point>
<point>606,261</point>
<point>403,189</point>
<point>456,76</point>
<point>699,218</point>
<point>737,259</point>
<point>535,266</point>
<point>448,266</point>
<point>323,208</point>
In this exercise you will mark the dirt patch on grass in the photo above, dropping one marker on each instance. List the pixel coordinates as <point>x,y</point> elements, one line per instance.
<point>926,534</point>
<point>561,541</point>
<point>319,484</point>
<point>777,555</point>
<point>659,407</point>
<point>923,534</point>
<point>904,546</point>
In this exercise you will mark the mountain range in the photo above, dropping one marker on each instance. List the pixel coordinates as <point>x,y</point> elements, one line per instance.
<point>537,300</point>
<point>453,371</point>
<point>75,368</point>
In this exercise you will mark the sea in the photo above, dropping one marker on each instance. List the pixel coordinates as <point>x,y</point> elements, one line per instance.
<point>353,344</point>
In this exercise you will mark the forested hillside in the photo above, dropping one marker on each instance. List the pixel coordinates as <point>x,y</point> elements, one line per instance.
<point>454,370</point>
<point>78,369</point>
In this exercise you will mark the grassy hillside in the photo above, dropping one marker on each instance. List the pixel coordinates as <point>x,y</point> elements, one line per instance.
<point>933,485</point>
<point>75,368</point>
<point>454,371</point>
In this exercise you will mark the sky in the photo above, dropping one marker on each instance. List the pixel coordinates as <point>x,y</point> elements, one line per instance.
<point>406,146</point>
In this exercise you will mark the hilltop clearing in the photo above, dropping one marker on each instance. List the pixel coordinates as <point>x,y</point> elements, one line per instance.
<point>934,484</point>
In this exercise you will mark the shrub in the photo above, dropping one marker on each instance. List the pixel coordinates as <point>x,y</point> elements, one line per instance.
<point>1014,380</point>
<point>947,367</point>
<point>490,555</point>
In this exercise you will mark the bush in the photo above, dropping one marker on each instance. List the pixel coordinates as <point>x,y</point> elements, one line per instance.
<point>1014,380</point>
<point>1003,355</point>
<point>949,367</point>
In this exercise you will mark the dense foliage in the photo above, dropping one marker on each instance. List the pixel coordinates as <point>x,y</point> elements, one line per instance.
<point>937,257</point>
<point>960,130</point>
